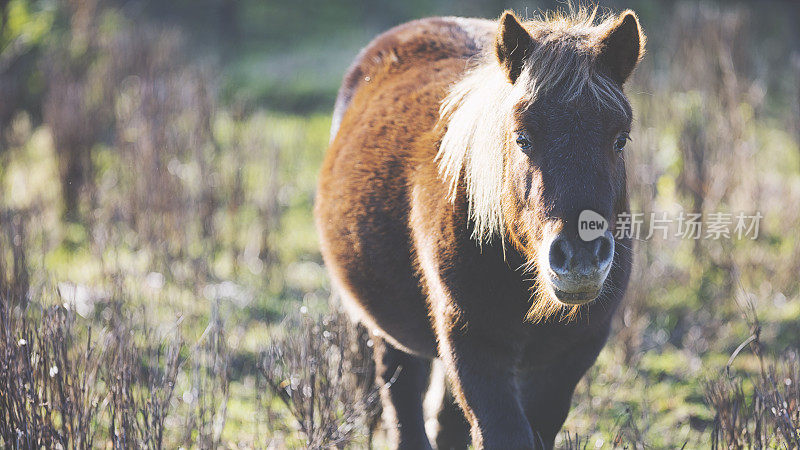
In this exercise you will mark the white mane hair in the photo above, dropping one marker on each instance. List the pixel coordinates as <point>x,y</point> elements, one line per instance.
<point>474,114</point>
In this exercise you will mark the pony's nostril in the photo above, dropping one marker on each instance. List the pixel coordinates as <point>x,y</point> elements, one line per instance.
<point>604,249</point>
<point>560,253</point>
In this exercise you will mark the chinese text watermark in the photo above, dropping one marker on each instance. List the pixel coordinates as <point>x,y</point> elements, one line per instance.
<point>641,226</point>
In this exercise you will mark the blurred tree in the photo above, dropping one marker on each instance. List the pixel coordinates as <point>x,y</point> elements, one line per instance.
<point>75,116</point>
<point>24,26</point>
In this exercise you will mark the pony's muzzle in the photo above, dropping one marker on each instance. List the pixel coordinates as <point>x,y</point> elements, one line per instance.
<point>579,268</point>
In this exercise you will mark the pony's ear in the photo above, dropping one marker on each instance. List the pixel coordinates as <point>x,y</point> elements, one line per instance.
<point>621,47</point>
<point>512,44</point>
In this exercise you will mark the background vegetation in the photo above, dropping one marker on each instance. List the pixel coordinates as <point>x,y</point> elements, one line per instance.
<point>160,283</point>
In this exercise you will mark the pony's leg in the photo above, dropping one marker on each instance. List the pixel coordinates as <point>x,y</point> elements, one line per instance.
<point>453,433</point>
<point>445,421</point>
<point>483,379</point>
<point>402,379</point>
<point>547,395</point>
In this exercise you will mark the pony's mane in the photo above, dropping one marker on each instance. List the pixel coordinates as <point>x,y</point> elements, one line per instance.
<point>473,115</point>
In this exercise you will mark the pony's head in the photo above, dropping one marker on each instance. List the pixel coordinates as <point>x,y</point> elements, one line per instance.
<point>535,136</point>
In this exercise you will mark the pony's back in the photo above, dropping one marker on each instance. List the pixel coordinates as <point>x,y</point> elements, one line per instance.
<point>407,45</point>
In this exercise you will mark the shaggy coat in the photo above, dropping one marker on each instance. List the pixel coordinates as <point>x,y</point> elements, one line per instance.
<point>462,152</point>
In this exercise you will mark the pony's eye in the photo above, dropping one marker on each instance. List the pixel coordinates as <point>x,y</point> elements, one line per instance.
<point>523,142</point>
<point>622,139</point>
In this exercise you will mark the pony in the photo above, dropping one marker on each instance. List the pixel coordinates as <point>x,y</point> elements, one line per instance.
<point>462,154</point>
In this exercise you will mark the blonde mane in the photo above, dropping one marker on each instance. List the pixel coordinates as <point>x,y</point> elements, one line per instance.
<point>474,114</point>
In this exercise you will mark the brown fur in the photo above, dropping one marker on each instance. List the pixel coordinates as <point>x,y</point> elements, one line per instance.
<point>398,223</point>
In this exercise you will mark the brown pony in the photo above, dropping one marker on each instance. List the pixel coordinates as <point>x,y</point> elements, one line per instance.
<point>462,153</point>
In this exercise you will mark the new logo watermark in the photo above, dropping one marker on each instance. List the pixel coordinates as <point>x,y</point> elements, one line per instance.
<point>591,225</point>
<point>715,225</point>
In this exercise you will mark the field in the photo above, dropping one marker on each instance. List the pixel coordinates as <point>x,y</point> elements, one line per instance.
<point>160,278</point>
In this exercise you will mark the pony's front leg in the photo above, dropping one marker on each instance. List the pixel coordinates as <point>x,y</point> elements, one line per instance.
<point>547,386</point>
<point>547,395</point>
<point>482,377</point>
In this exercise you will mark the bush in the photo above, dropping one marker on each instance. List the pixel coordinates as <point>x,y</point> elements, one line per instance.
<point>322,371</point>
<point>761,411</point>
